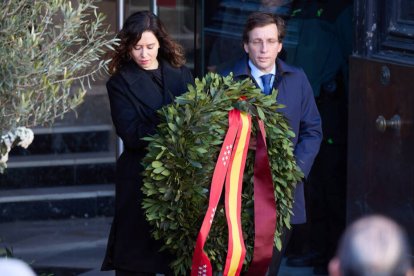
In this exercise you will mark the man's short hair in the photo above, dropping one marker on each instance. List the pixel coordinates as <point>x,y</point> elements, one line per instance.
<point>374,246</point>
<point>261,19</point>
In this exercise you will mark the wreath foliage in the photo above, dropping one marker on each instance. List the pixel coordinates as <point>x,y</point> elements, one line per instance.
<point>181,158</point>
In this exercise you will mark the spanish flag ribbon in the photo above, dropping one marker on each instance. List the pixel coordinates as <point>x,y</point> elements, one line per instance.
<point>236,250</point>
<point>229,168</point>
<point>201,265</point>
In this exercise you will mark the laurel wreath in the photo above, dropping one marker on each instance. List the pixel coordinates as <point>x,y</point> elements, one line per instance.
<point>181,158</point>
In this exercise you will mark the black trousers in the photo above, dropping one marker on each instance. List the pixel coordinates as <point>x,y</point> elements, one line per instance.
<point>328,199</point>
<point>278,255</point>
<point>327,179</point>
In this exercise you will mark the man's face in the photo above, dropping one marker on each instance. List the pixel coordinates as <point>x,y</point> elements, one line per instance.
<point>263,47</point>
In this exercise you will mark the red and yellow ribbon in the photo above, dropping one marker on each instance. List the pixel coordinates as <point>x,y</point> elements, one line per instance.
<point>230,167</point>
<point>236,250</point>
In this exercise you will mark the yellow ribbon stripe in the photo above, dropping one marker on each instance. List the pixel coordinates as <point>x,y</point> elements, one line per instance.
<point>236,179</point>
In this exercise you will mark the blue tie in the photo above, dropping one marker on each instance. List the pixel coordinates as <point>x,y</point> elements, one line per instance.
<point>266,83</point>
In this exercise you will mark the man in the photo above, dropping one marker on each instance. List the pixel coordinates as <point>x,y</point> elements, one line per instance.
<point>262,41</point>
<point>373,246</point>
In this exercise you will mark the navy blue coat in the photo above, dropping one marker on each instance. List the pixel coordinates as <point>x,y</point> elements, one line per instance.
<point>295,92</point>
<point>134,100</point>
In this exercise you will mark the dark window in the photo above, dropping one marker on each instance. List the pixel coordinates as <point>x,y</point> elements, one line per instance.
<point>396,40</point>
<point>406,9</point>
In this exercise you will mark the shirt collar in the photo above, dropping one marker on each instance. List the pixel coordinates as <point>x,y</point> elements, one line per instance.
<point>256,73</point>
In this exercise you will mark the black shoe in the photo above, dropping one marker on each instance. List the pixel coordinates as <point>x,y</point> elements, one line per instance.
<point>308,259</point>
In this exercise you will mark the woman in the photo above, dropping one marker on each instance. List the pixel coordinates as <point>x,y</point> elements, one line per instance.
<point>147,73</point>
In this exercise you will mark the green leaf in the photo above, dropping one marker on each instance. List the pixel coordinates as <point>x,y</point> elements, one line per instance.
<point>156,164</point>
<point>172,126</point>
<point>278,244</point>
<point>160,155</point>
<point>260,113</point>
<point>166,172</point>
<point>158,170</point>
<point>201,150</point>
<point>195,164</point>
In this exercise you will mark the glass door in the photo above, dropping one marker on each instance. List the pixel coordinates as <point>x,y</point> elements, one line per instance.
<point>177,16</point>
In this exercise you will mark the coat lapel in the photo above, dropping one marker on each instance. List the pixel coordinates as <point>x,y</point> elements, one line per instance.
<point>172,80</point>
<point>141,86</point>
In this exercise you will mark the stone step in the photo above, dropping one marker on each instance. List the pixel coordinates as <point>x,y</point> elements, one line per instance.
<point>59,170</point>
<point>49,160</point>
<point>60,129</point>
<point>69,139</point>
<point>57,202</point>
<point>58,247</point>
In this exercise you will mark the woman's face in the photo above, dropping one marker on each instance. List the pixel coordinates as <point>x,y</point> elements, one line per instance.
<point>145,52</point>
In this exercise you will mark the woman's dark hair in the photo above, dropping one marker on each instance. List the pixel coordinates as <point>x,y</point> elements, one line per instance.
<point>261,19</point>
<point>131,33</point>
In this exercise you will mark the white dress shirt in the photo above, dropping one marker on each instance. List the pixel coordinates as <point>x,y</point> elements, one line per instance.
<point>256,74</point>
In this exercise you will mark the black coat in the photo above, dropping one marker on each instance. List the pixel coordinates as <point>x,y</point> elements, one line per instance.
<point>134,99</point>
